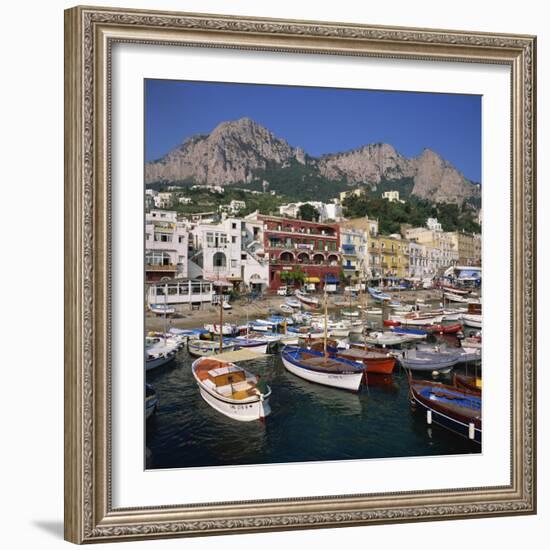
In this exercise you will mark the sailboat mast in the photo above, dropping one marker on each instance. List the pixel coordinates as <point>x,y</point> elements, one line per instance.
<point>326,320</point>
<point>363,313</point>
<point>165,306</point>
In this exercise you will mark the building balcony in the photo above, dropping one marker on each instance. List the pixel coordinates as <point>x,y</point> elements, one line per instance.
<point>292,231</point>
<point>172,268</point>
<point>348,249</point>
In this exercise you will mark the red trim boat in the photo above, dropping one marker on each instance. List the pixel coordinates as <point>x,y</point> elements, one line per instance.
<point>444,329</point>
<point>376,362</point>
<point>390,323</point>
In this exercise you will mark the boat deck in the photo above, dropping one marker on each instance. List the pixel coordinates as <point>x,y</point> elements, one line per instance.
<point>327,364</point>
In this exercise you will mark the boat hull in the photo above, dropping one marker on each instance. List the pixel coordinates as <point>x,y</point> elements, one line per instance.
<point>244,412</point>
<point>474,321</point>
<point>350,382</point>
<point>159,361</point>
<point>439,416</point>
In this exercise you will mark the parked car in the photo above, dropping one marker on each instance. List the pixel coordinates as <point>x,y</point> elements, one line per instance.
<point>283,291</point>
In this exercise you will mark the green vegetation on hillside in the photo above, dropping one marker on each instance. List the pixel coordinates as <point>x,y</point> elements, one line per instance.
<point>299,182</point>
<point>414,211</point>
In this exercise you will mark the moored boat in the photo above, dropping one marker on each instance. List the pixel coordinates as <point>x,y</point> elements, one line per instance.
<point>472,320</point>
<point>378,294</point>
<point>428,360</point>
<point>309,301</point>
<point>416,333</point>
<point>457,410</point>
<point>204,348</point>
<point>158,352</point>
<point>225,328</point>
<point>231,390</point>
<point>387,339</point>
<point>322,369</point>
<point>252,342</point>
<point>375,362</point>
<point>470,383</point>
<point>162,309</point>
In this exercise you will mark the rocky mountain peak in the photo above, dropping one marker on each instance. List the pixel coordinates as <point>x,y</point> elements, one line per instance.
<point>236,150</point>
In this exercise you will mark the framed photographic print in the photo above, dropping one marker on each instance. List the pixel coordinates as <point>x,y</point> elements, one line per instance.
<point>300,281</point>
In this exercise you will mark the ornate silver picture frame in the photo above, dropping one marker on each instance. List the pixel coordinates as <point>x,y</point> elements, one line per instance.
<point>90,34</point>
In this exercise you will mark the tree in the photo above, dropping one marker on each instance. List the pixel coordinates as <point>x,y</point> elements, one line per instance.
<point>308,212</point>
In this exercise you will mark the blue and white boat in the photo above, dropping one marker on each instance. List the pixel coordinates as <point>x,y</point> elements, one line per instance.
<point>429,361</point>
<point>378,295</point>
<point>251,342</point>
<point>413,332</point>
<point>455,409</point>
<point>317,367</point>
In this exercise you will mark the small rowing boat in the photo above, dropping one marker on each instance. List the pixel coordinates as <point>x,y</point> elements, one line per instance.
<point>322,369</point>
<point>231,390</point>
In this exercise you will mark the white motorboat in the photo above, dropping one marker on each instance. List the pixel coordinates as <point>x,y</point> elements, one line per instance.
<point>231,390</point>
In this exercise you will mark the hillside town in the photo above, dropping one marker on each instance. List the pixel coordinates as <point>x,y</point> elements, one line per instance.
<point>261,254</point>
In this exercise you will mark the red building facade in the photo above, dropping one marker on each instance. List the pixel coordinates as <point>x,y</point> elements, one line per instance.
<point>297,244</point>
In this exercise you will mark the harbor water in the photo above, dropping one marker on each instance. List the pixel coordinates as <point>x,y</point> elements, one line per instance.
<point>308,422</point>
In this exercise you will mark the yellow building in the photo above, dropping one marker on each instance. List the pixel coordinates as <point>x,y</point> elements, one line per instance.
<point>394,256</point>
<point>465,245</point>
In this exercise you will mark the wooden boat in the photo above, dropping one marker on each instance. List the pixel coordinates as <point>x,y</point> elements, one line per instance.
<point>391,323</point>
<point>470,383</point>
<point>151,401</point>
<point>231,390</point>
<point>428,360</point>
<point>309,301</point>
<point>205,348</point>
<point>456,410</point>
<point>375,362</point>
<point>418,319</point>
<point>322,369</point>
<point>374,311</point>
<point>472,320</point>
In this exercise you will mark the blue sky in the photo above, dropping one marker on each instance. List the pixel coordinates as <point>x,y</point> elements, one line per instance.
<point>320,120</point>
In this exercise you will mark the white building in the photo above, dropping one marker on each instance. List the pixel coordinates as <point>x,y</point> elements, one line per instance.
<point>392,196</point>
<point>166,246</point>
<point>226,251</point>
<point>327,211</point>
<point>234,207</point>
<point>185,200</point>
<point>355,253</point>
<point>164,200</point>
